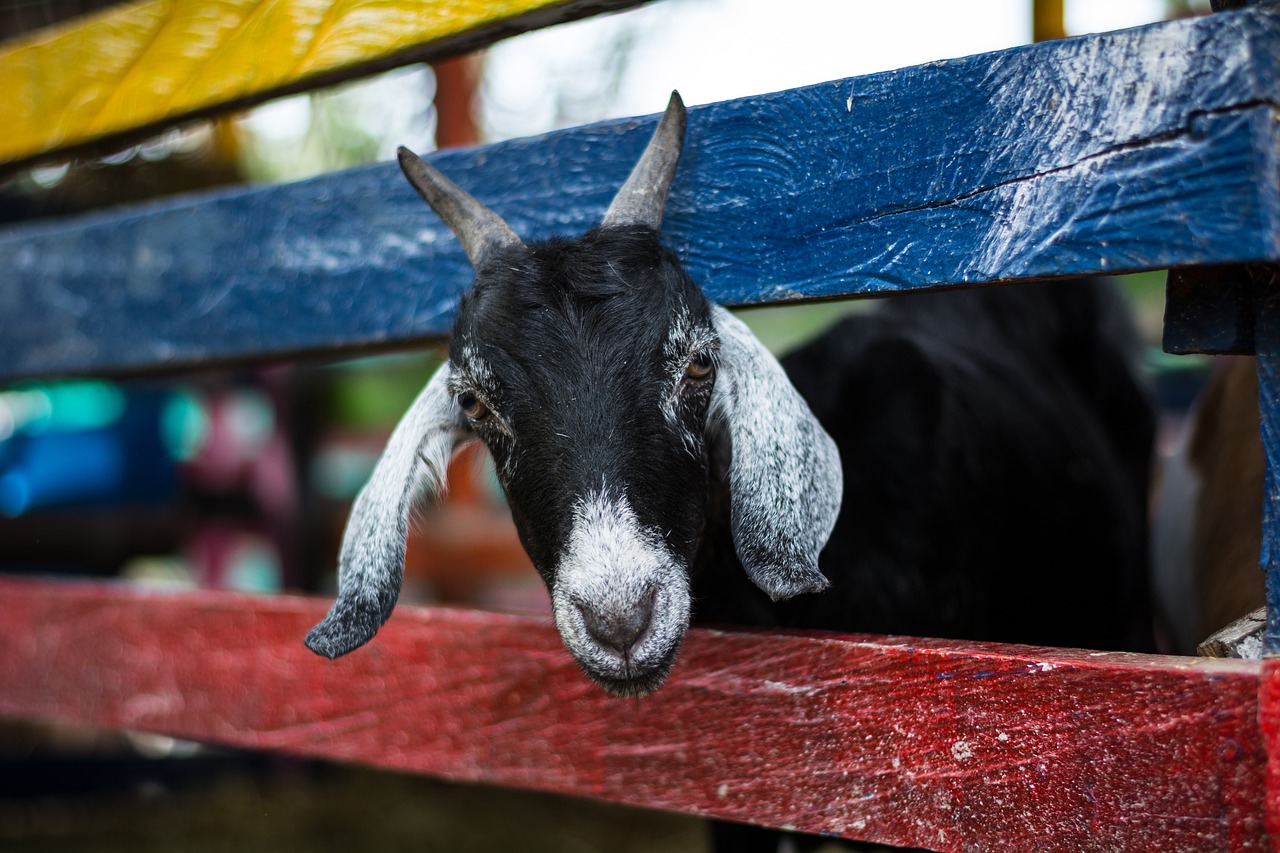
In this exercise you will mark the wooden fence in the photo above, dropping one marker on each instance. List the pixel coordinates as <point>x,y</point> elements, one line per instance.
<point>1154,148</point>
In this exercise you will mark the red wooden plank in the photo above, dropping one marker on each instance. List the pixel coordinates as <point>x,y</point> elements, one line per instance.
<point>949,745</point>
<point>1269,714</point>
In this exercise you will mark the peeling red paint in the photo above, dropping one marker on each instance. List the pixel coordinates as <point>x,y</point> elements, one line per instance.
<point>845,734</point>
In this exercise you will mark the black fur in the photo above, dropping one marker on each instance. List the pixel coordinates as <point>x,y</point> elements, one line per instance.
<point>996,445</point>
<point>574,331</point>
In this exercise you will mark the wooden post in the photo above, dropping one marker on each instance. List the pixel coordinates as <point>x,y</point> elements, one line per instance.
<point>1268,346</point>
<point>1211,309</point>
<point>456,83</point>
<point>1047,20</point>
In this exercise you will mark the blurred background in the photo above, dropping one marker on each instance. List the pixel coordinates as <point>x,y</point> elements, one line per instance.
<point>241,479</point>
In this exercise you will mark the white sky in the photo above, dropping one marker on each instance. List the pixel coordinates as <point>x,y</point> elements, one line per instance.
<point>714,50</point>
<point>711,50</point>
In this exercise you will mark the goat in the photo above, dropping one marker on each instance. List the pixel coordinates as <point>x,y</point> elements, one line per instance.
<point>658,460</point>
<point>997,447</point>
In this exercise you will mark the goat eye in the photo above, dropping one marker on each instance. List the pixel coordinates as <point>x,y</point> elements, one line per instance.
<point>472,406</point>
<point>701,366</point>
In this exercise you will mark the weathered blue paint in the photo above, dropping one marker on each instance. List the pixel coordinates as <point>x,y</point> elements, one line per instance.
<point>1268,343</point>
<point>1141,149</point>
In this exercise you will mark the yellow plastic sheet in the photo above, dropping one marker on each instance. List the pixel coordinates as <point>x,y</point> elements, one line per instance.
<point>155,61</point>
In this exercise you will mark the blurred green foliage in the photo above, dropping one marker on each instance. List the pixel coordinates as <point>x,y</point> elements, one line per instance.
<point>372,393</point>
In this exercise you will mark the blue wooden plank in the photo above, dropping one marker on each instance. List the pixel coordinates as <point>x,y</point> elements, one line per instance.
<point>1141,149</point>
<point>1268,346</point>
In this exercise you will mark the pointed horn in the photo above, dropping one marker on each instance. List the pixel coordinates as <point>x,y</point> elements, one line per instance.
<point>643,197</point>
<point>477,228</point>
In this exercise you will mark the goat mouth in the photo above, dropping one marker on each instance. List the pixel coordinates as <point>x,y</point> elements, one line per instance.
<point>631,679</point>
<point>626,643</point>
<point>631,665</point>
<point>637,671</point>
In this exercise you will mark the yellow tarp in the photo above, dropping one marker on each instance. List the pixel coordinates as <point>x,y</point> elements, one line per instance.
<point>157,60</point>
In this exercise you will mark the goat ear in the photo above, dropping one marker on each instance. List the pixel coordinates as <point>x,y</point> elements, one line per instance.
<point>371,561</point>
<point>785,479</point>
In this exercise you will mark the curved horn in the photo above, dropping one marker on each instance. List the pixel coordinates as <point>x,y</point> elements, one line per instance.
<point>644,196</point>
<point>477,228</point>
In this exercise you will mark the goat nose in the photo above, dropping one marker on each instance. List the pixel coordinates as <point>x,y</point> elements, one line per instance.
<point>618,628</point>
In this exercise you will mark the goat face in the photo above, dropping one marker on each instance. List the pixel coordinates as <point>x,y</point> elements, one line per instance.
<point>599,377</point>
<point>587,368</point>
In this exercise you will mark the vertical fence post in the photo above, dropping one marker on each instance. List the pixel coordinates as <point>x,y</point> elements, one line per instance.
<point>1267,341</point>
<point>1268,352</point>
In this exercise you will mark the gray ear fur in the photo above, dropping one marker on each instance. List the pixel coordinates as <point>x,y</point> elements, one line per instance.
<point>785,479</point>
<point>371,562</point>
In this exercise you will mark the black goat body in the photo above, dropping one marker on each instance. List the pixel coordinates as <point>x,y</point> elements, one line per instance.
<point>995,445</point>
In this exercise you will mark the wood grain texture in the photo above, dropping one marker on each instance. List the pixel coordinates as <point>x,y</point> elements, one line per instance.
<point>1142,149</point>
<point>1269,716</point>
<point>152,62</point>
<point>1241,639</point>
<point>942,744</point>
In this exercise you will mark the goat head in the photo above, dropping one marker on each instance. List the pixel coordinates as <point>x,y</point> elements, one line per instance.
<point>615,398</point>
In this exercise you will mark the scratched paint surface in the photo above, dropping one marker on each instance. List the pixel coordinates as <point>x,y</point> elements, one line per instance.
<point>1104,153</point>
<point>942,744</point>
<point>160,60</point>
<point>1269,715</point>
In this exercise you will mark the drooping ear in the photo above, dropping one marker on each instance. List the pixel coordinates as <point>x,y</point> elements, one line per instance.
<point>371,561</point>
<point>785,479</point>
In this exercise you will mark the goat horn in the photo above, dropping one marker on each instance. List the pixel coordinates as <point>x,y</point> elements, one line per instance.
<point>644,196</point>
<point>477,228</point>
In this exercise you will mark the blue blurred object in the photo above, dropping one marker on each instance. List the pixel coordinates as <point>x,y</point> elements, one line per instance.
<point>84,445</point>
<point>53,470</point>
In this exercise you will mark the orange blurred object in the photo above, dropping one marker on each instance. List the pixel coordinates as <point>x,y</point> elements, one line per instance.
<point>459,551</point>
